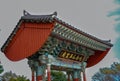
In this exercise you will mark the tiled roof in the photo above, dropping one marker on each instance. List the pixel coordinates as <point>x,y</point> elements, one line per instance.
<point>83,33</point>
<point>53,17</point>
<point>49,19</point>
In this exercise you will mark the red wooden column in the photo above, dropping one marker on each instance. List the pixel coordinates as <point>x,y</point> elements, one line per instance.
<point>68,73</point>
<point>76,77</point>
<point>68,77</point>
<point>39,73</point>
<point>84,76</point>
<point>31,65</point>
<point>39,78</point>
<point>84,64</point>
<point>49,72</point>
<point>33,75</point>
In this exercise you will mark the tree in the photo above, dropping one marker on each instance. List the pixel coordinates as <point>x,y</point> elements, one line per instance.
<point>12,79</point>
<point>108,74</point>
<point>9,76</point>
<point>98,77</point>
<point>58,76</point>
<point>22,78</point>
<point>1,69</point>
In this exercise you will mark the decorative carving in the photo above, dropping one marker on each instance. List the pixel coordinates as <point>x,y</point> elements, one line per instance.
<point>26,13</point>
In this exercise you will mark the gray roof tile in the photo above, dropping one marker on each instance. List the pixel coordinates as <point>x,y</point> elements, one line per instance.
<point>48,19</point>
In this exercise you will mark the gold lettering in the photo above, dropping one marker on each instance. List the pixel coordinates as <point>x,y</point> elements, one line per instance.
<point>64,54</point>
<point>80,59</point>
<point>68,54</point>
<point>77,57</point>
<point>71,56</point>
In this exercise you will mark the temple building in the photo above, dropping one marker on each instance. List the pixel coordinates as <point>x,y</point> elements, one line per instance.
<point>52,44</point>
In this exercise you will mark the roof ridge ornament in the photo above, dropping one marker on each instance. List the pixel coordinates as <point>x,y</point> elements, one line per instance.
<point>26,13</point>
<point>54,14</point>
<point>107,40</point>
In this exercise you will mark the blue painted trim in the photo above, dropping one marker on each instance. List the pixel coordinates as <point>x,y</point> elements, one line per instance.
<point>76,74</point>
<point>40,70</point>
<point>64,64</point>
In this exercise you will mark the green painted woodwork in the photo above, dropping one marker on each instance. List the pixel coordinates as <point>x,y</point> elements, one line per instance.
<point>1,69</point>
<point>54,46</point>
<point>40,70</point>
<point>78,38</point>
<point>76,74</point>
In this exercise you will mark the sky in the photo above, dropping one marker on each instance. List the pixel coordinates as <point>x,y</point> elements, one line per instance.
<point>87,15</point>
<point>116,14</point>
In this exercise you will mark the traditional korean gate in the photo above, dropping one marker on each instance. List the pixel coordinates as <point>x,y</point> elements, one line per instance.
<point>49,43</point>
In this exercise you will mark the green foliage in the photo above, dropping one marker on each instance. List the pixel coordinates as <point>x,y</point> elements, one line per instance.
<point>21,78</point>
<point>9,76</point>
<point>1,69</point>
<point>58,76</point>
<point>12,79</point>
<point>108,74</point>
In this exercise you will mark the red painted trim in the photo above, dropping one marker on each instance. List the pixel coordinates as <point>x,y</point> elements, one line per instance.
<point>68,77</point>
<point>49,72</point>
<point>33,76</point>
<point>76,79</point>
<point>49,76</point>
<point>33,79</point>
<point>39,78</point>
<point>84,76</point>
<point>96,58</point>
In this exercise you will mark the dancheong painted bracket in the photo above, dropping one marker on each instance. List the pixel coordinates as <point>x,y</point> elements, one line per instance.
<point>36,35</point>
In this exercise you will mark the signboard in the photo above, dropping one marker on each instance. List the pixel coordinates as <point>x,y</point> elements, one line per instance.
<point>71,56</point>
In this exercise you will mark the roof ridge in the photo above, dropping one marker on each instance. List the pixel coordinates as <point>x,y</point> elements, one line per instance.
<point>25,13</point>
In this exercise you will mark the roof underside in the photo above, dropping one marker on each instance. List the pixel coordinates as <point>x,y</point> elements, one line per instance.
<point>28,39</point>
